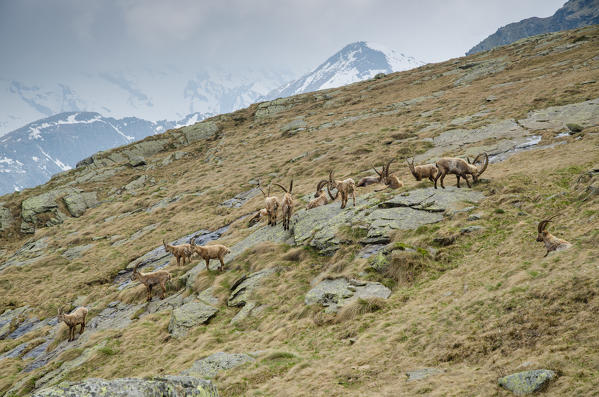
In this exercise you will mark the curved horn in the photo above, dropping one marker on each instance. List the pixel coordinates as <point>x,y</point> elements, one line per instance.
<point>411,167</point>
<point>485,164</point>
<point>285,190</point>
<point>378,173</point>
<point>320,185</point>
<point>291,186</point>
<point>330,195</point>
<point>543,224</point>
<point>387,169</point>
<point>260,187</point>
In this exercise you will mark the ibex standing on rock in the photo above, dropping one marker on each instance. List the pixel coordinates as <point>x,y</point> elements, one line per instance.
<point>320,197</point>
<point>460,168</point>
<point>159,277</point>
<point>344,187</point>
<point>179,251</point>
<point>421,172</point>
<point>391,181</point>
<point>272,206</point>
<point>552,243</point>
<point>261,213</point>
<point>71,320</point>
<point>286,205</point>
<point>207,252</point>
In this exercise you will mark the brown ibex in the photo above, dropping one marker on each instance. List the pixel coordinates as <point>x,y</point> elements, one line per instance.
<point>421,172</point>
<point>320,198</point>
<point>272,206</point>
<point>159,277</point>
<point>344,187</point>
<point>179,251</point>
<point>286,204</point>
<point>207,252</point>
<point>370,180</point>
<point>552,243</point>
<point>460,168</point>
<point>261,213</point>
<point>71,320</point>
<point>391,181</point>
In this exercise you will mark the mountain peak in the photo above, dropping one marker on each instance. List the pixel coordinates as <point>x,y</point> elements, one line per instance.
<point>357,61</point>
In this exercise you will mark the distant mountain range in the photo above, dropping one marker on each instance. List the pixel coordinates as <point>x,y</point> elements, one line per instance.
<point>574,14</point>
<point>30,155</point>
<point>151,94</point>
<point>355,62</point>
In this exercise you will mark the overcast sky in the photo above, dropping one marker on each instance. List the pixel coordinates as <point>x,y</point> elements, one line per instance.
<point>44,38</point>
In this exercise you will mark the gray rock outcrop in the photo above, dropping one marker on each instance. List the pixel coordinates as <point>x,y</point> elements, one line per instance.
<point>6,219</point>
<point>527,382</point>
<point>338,292</point>
<point>210,366</point>
<point>159,386</point>
<point>188,316</point>
<point>242,289</point>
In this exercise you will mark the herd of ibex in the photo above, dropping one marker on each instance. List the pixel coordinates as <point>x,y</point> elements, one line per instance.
<point>344,188</point>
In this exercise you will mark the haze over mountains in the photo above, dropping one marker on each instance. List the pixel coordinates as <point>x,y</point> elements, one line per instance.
<point>30,155</point>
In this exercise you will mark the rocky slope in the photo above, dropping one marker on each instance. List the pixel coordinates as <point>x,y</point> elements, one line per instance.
<point>573,14</point>
<point>410,291</point>
<point>355,62</point>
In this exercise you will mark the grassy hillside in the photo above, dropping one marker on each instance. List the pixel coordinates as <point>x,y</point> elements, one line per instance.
<point>476,306</point>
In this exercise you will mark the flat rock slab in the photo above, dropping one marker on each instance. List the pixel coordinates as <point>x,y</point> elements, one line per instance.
<point>77,251</point>
<point>338,292</point>
<point>251,309</point>
<point>210,366</point>
<point>126,387</point>
<point>556,117</point>
<point>422,373</point>
<point>188,316</point>
<point>527,382</point>
<point>242,289</point>
<point>241,198</point>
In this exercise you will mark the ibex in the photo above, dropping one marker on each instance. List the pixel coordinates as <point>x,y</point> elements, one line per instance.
<point>391,181</point>
<point>320,197</point>
<point>370,180</point>
<point>261,213</point>
<point>286,204</point>
<point>179,251</point>
<point>71,320</point>
<point>460,168</point>
<point>552,243</point>
<point>344,187</point>
<point>207,252</point>
<point>272,206</point>
<point>159,277</point>
<point>421,172</point>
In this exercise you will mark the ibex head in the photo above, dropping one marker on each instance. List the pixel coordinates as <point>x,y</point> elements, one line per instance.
<point>135,273</point>
<point>60,314</point>
<point>483,167</point>
<point>411,167</point>
<point>319,187</point>
<point>541,228</point>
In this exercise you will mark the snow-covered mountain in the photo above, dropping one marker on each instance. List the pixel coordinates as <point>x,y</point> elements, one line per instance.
<point>355,62</point>
<point>30,155</point>
<point>167,93</point>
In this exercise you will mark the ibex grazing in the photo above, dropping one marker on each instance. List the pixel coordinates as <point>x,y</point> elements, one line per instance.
<point>261,213</point>
<point>287,205</point>
<point>460,168</point>
<point>391,181</point>
<point>207,252</point>
<point>179,251</point>
<point>159,277</point>
<point>71,320</point>
<point>320,198</point>
<point>421,172</point>
<point>552,243</point>
<point>344,187</point>
<point>272,206</point>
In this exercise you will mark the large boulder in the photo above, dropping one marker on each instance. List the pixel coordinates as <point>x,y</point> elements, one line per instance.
<point>338,292</point>
<point>126,387</point>
<point>77,203</point>
<point>527,382</point>
<point>242,289</point>
<point>188,316</point>
<point>200,131</point>
<point>210,366</point>
<point>6,219</point>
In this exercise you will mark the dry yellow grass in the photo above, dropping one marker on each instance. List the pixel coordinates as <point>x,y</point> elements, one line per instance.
<point>480,309</point>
